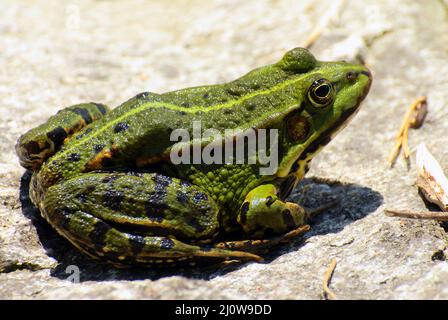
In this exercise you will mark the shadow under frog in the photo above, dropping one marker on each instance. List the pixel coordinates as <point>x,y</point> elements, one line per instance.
<point>354,202</point>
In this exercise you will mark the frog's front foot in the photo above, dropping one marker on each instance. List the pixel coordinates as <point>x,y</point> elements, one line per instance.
<point>264,214</point>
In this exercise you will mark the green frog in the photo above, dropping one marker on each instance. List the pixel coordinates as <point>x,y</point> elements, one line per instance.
<point>105,180</point>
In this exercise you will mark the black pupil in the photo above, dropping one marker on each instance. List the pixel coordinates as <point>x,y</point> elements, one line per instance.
<point>322,91</point>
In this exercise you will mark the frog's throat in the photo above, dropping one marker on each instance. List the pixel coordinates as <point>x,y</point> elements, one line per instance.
<point>303,155</point>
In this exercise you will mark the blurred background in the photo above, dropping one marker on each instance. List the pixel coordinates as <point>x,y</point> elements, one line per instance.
<point>58,53</point>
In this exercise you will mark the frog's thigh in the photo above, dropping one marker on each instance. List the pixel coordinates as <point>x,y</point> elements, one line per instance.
<point>136,218</point>
<point>263,213</point>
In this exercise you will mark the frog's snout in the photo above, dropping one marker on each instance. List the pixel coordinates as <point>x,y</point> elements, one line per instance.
<point>353,75</point>
<point>367,73</point>
<point>358,77</point>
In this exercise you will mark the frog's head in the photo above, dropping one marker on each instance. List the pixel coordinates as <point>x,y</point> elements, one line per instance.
<point>330,94</point>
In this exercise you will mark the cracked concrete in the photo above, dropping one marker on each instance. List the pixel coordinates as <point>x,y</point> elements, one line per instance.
<point>54,54</point>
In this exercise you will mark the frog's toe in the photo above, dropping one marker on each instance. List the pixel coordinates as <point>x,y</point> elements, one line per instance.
<point>261,246</point>
<point>294,233</point>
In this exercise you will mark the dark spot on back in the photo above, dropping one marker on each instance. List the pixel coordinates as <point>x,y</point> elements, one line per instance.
<point>250,106</point>
<point>112,199</point>
<point>84,113</point>
<point>86,132</point>
<point>98,235</point>
<point>161,183</point>
<point>82,197</point>
<point>137,243</point>
<point>160,179</point>
<point>121,126</point>
<point>182,113</point>
<point>66,216</point>
<point>184,183</point>
<point>185,104</point>
<point>57,135</point>
<point>166,243</point>
<point>234,91</point>
<point>195,225</point>
<point>206,95</point>
<point>74,157</point>
<point>142,95</point>
<point>155,210</point>
<point>101,108</point>
<point>182,197</point>
<point>98,147</point>
<point>199,196</point>
<point>243,212</point>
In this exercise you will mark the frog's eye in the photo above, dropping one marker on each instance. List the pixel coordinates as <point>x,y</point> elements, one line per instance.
<point>321,93</point>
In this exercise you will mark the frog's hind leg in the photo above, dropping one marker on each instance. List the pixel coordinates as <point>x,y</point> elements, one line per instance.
<point>137,219</point>
<point>100,239</point>
<point>41,142</point>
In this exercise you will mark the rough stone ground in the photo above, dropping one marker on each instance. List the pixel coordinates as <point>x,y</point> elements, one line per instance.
<point>54,54</point>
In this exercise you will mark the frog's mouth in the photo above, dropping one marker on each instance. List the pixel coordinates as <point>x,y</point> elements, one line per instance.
<point>330,133</point>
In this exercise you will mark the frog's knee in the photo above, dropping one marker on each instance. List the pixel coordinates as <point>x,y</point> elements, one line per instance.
<point>39,143</point>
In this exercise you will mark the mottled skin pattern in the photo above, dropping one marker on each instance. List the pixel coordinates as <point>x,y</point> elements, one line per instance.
<point>104,180</point>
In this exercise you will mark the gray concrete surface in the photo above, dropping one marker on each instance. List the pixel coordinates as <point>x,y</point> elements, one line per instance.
<point>55,53</point>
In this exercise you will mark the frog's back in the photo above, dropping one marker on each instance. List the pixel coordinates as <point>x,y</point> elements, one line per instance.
<point>138,131</point>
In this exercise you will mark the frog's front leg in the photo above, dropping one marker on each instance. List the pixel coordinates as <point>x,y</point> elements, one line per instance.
<point>137,218</point>
<point>263,213</point>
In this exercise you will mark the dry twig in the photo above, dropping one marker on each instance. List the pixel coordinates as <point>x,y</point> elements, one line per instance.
<point>328,293</point>
<point>413,118</point>
<point>428,215</point>
<point>432,183</point>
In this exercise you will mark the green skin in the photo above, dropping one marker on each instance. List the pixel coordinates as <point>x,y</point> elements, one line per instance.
<point>104,179</point>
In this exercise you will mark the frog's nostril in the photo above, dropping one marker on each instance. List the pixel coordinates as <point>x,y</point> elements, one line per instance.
<point>352,75</point>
